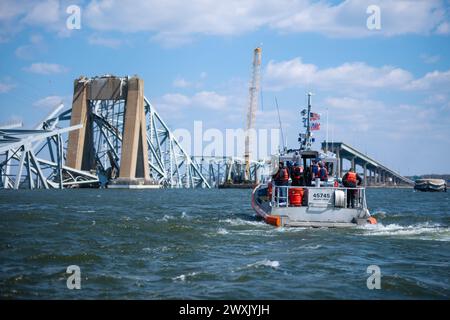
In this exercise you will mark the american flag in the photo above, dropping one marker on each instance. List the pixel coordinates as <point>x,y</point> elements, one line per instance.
<point>315,126</point>
<point>314,116</point>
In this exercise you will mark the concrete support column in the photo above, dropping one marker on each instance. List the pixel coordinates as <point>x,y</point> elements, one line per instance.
<point>80,151</point>
<point>134,158</point>
<point>365,174</point>
<point>353,164</point>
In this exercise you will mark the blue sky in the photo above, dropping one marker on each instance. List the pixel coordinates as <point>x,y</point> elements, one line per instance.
<point>386,91</point>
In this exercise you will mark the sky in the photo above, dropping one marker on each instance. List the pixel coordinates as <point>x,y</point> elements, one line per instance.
<point>383,80</point>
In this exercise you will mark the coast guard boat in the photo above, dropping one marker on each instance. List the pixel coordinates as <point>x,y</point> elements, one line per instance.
<point>316,203</point>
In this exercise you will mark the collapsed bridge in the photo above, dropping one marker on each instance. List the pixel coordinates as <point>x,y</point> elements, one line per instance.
<point>116,138</point>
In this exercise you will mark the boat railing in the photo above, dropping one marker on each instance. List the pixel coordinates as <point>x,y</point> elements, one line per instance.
<point>280,196</point>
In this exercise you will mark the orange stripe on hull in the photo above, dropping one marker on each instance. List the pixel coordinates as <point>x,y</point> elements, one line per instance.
<point>273,220</point>
<point>372,220</point>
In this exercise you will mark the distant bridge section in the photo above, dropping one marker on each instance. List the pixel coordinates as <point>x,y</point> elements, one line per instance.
<point>374,173</point>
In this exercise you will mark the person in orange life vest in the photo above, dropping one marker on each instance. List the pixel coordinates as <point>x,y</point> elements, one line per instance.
<point>297,175</point>
<point>351,180</point>
<point>281,178</point>
<point>323,172</point>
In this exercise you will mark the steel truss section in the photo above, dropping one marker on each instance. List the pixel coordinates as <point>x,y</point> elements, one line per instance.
<point>169,162</point>
<point>21,164</point>
<point>170,165</point>
<point>220,170</point>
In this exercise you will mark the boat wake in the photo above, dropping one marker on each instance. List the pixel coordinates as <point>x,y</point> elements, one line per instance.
<point>241,222</point>
<point>421,231</point>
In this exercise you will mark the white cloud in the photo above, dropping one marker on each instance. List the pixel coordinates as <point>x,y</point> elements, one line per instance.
<point>49,102</point>
<point>382,120</point>
<point>348,18</point>
<point>348,76</point>
<point>176,22</point>
<point>6,87</point>
<point>179,22</point>
<point>203,99</point>
<point>43,13</point>
<point>15,15</point>
<point>443,28</point>
<point>435,80</point>
<point>46,68</point>
<point>210,100</point>
<point>179,17</point>
<point>175,100</point>
<point>28,51</point>
<point>181,83</point>
<point>104,41</point>
<point>430,59</point>
<point>172,39</point>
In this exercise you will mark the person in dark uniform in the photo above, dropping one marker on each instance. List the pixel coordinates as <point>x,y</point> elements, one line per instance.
<point>314,170</point>
<point>351,180</point>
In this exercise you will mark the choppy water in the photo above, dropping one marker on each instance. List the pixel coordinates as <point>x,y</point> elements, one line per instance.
<point>207,244</point>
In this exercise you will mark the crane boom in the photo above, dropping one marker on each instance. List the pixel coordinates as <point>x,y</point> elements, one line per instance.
<point>252,107</point>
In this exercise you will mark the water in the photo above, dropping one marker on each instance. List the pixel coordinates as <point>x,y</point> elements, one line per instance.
<point>207,244</point>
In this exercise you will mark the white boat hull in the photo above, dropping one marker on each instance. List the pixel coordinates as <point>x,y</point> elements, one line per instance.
<point>307,215</point>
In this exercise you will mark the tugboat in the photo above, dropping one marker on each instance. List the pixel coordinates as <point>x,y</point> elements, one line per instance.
<point>315,203</point>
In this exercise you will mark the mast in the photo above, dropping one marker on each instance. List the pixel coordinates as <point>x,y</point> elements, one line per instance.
<point>308,128</point>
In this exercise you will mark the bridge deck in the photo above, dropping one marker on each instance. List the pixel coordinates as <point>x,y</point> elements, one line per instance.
<point>344,151</point>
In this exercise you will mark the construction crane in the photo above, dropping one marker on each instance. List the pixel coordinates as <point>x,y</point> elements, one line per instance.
<point>252,107</point>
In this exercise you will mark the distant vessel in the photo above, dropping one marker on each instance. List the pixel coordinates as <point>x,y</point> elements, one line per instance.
<point>317,203</point>
<point>430,185</point>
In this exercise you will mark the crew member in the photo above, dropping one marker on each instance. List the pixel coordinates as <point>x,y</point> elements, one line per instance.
<point>323,172</point>
<point>351,180</point>
<point>314,170</point>
<point>281,179</point>
<point>297,175</point>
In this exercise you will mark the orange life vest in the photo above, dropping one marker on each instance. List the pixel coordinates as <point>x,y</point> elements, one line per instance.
<point>351,177</point>
<point>297,173</point>
<point>282,175</point>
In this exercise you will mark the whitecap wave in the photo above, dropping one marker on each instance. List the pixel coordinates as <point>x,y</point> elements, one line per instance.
<point>241,222</point>
<point>166,218</point>
<point>265,263</point>
<point>222,231</point>
<point>311,247</point>
<point>182,277</point>
<point>423,231</point>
